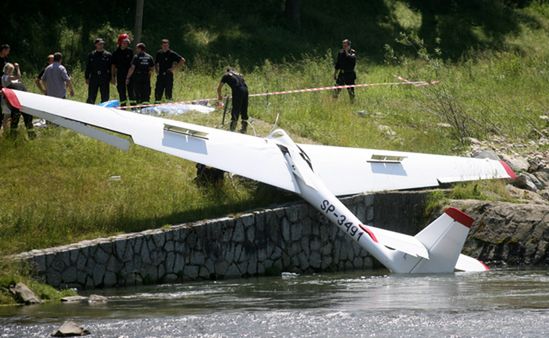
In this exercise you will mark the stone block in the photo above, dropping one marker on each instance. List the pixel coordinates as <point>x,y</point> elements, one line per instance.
<point>40,263</point>
<point>69,275</point>
<point>315,260</point>
<point>197,258</point>
<point>296,231</point>
<point>232,271</point>
<point>250,234</point>
<point>220,268</point>
<point>161,272</point>
<point>248,220</point>
<point>101,256</point>
<point>238,233</point>
<point>109,279</point>
<point>169,246</point>
<point>120,248</point>
<point>170,278</point>
<point>292,213</point>
<point>286,230</point>
<point>98,274</point>
<point>303,260</point>
<point>170,261</point>
<point>178,263</point>
<point>326,262</point>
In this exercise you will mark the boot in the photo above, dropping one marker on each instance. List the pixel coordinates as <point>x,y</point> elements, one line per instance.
<point>244,127</point>
<point>232,127</point>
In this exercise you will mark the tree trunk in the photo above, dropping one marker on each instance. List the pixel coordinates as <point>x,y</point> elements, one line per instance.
<point>138,20</point>
<point>292,10</point>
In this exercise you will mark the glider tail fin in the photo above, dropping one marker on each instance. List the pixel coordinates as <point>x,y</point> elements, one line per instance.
<point>444,239</point>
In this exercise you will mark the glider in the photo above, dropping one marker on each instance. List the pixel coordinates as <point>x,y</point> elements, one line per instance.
<point>317,173</point>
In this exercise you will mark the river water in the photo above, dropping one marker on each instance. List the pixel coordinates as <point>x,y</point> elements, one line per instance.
<point>499,303</point>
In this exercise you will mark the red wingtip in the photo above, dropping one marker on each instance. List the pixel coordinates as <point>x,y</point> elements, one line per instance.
<point>508,169</point>
<point>11,98</point>
<point>460,216</point>
<point>485,266</point>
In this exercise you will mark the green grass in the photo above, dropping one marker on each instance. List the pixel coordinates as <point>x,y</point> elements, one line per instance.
<point>56,188</point>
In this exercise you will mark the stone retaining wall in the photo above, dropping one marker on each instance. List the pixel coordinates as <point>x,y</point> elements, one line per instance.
<point>294,238</point>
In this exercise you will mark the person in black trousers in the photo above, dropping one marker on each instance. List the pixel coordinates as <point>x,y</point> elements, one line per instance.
<point>121,63</point>
<point>4,53</point>
<point>344,73</point>
<point>166,63</point>
<point>140,74</point>
<point>239,98</point>
<point>98,72</point>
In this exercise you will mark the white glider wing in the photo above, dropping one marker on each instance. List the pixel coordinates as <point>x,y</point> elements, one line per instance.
<point>252,157</point>
<point>348,171</point>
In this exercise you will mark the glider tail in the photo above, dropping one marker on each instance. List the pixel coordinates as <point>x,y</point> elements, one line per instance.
<point>444,239</point>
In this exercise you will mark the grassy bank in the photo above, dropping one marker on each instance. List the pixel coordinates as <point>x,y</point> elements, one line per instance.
<point>59,188</point>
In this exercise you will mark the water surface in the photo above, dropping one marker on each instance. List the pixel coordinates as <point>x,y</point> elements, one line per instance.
<point>508,303</point>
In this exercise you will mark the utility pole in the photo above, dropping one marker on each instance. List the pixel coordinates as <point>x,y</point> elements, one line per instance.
<point>138,20</point>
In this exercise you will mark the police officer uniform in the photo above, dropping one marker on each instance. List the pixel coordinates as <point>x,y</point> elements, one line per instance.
<point>98,73</point>
<point>122,60</point>
<point>346,61</point>
<point>239,98</point>
<point>141,76</point>
<point>164,80</point>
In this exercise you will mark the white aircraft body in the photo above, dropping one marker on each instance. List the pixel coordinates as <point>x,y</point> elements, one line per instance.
<point>317,173</point>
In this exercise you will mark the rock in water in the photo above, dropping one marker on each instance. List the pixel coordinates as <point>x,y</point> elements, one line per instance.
<point>24,294</point>
<point>70,329</point>
<point>97,299</point>
<point>73,299</point>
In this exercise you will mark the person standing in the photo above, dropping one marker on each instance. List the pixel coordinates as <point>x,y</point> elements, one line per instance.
<point>11,78</point>
<point>121,62</point>
<point>166,63</point>
<point>38,79</point>
<point>344,73</point>
<point>4,53</point>
<point>98,72</point>
<point>56,80</point>
<point>239,91</point>
<point>140,74</point>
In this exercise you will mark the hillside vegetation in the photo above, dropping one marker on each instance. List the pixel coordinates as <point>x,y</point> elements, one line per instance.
<point>60,188</point>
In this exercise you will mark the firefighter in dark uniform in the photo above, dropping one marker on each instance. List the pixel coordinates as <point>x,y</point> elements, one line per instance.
<point>98,72</point>
<point>344,73</point>
<point>121,62</point>
<point>166,62</point>
<point>239,98</point>
<point>140,74</point>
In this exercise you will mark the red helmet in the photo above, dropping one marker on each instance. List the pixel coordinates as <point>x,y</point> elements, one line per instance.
<point>122,37</point>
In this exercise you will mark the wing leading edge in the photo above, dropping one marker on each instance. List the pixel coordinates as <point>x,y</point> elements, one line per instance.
<point>252,157</point>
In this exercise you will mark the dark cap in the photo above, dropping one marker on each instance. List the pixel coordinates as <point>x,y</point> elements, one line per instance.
<point>99,40</point>
<point>141,45</point>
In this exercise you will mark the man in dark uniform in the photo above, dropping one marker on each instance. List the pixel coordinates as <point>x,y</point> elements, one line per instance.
<point>166,62</point>
<point>344,73</point>
<point>140,74</point>
<point>121,62</point>
<point>4,52</point>
<point>98,72</point>
<point>240,98</point>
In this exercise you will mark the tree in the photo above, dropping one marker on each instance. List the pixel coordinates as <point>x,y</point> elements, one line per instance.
<point>138,19</point>
<point>292,10</point>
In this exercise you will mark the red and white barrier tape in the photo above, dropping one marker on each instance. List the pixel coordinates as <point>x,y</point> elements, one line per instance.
<point>304,90</point>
